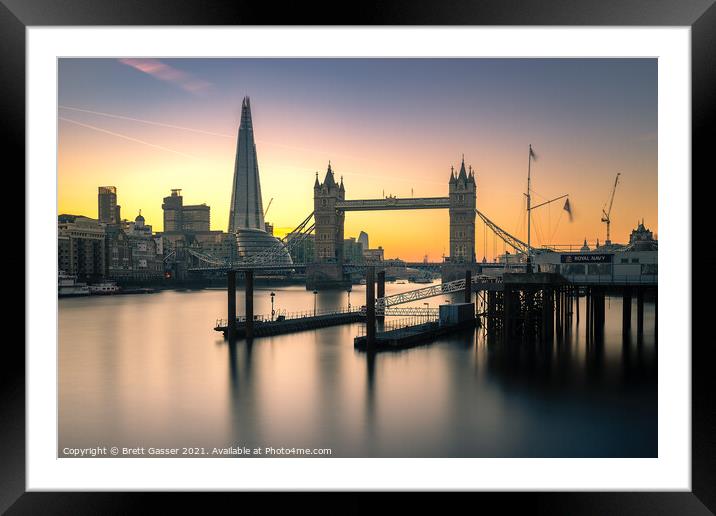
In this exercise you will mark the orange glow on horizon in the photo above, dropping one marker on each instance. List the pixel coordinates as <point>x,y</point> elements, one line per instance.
<point>145,174</point>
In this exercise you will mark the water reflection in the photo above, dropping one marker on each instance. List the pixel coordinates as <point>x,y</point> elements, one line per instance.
<point>149,370</point>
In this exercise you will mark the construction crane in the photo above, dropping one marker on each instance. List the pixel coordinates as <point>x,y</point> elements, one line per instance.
<point>607,213</point>
<point>268,206</point>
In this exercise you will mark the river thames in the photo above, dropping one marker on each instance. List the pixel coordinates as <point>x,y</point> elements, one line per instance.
<point>150,371</point>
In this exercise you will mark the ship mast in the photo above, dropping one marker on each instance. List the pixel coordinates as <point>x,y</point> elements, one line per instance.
<point>529,207</point>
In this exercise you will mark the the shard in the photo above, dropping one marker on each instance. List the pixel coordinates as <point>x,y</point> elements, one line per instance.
<point>246,210</point>
<point>246,214</point>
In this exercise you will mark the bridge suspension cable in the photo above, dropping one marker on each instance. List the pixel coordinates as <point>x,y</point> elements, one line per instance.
<point>268,256</point>
<point>206,258</point>
<point>300,228</point>
<point>288,242</point>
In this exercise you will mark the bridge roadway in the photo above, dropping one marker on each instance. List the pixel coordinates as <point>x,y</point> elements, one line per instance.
<point>394,203</point>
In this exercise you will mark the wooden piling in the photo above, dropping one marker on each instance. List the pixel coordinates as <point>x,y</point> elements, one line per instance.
<point>558,313</point>
<point>599,314</point>
<point>626,311</point>
<point>656,313</point>
<point>491,319</point>
<point>588,312</point>
<point>545,315</point>
<point>639,313</point>
<point>577,300</point>
<point>507,315</point>
<point>468,286</point>
<point>249,288</point>
<point>529,324</point>
<point>381,291</point>
<point>565,311</point>
<point>568,307</point>
<point>370,307</point>
<point>231,305</point>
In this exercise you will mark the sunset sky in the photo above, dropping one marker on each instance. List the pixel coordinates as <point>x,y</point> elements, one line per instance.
<point>387,125</point>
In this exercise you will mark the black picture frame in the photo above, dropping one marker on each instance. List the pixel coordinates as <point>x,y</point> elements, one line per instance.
<point>700,15</point>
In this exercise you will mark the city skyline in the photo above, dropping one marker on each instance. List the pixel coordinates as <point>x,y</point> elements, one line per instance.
<point>390,127</point>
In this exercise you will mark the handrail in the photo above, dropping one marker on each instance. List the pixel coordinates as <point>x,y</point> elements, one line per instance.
<point>400,324</point>
<point>290,316</point>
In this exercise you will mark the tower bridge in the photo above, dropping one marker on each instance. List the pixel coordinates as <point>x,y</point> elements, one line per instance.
<point>326,225</point>
<point>330,206</point>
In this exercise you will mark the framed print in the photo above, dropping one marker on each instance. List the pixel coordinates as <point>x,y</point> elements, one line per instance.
<point>416,253</point>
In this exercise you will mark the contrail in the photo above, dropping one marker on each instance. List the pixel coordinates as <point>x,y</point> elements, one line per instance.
<point>180,127</point>
<point>124,136</point>
<point>150,122</point>
<point>210,133</point>
<point>191,129</point>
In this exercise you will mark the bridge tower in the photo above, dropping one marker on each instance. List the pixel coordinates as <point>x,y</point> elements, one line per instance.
<point>463,201</point>
<point>329,221</point>
<point>327,269</point>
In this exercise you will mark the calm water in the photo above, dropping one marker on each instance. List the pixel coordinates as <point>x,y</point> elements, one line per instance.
<point>148,370</point>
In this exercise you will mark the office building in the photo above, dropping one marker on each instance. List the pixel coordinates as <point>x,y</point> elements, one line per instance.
<point>81,247</point>
<point>107,210</point>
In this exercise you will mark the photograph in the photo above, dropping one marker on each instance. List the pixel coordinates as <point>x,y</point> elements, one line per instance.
<point>357,257</point>
<point>413,248</point>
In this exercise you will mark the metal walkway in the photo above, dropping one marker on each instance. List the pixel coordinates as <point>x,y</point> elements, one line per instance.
<point>436,290</point>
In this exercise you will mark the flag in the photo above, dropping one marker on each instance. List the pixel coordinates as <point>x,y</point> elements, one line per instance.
<point>568,209</point>
<point>532,154</point>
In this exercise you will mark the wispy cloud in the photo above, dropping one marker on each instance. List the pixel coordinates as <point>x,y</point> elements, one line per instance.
<point>164,72</point>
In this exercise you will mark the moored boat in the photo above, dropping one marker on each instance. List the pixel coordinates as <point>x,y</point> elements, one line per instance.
<point>104,288</point>
<point>68,286</point>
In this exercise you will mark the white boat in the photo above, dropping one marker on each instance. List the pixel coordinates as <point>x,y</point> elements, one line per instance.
<point>68,286</point>
<point>106,287</point>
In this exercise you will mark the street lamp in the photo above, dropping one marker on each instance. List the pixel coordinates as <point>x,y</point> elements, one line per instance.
<point>349,298</point>
<point>315,292</point>
<point>273,294</point>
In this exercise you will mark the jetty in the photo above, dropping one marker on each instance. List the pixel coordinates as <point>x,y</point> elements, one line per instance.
<point>290,323</point>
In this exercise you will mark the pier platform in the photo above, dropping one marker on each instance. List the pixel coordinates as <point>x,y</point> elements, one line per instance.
<point>282,324</point>
<point>410,336</point>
